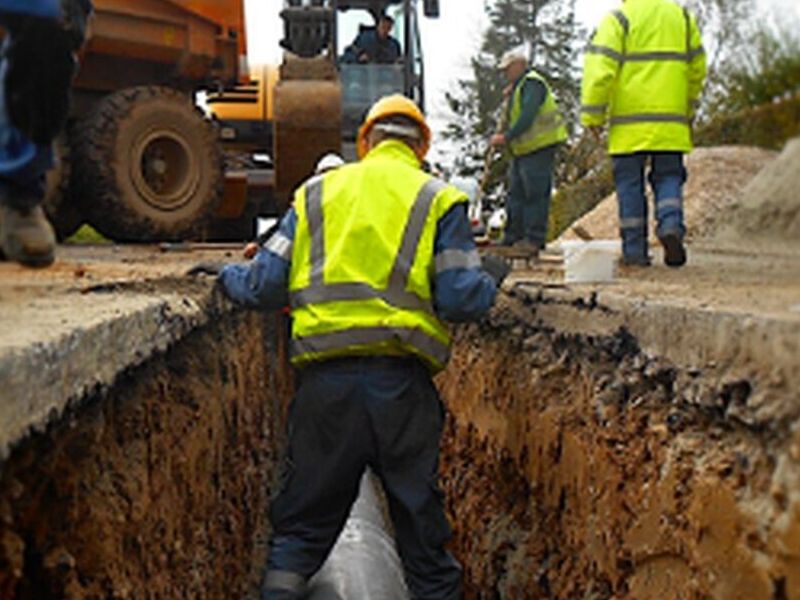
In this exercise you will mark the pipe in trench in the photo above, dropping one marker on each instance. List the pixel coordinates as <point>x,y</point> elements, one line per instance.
<point>364,564</point>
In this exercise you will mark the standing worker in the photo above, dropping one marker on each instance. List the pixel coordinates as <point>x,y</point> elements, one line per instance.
<point>371,257</point>
<point>643,74</point>
<point>535,129</point>
<point>36,70</point>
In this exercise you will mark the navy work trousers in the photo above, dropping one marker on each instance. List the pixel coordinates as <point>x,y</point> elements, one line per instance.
<point>530,188</point>
<point>667,176</point>
<point>348,414</point>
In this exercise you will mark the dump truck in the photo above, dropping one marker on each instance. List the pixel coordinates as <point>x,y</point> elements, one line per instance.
<point>140,162</point>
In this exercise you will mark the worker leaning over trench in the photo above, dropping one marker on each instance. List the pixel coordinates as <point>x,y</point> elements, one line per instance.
<point>643,74</point>
<point>371,257</point>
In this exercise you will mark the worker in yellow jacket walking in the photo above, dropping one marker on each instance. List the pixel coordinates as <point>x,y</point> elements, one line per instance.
<point>373,257</point>
<point>643,74</point>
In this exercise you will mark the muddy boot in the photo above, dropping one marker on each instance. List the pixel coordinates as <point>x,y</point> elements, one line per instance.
<point>26,236</point>
<point>674,252</point>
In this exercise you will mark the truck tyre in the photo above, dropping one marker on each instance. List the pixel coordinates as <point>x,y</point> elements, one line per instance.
<point>60,204</point>
<point>149,166</point>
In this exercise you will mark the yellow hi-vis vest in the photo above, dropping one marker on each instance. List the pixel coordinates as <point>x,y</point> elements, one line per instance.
<point>363,258</point>
<point>644,72</point>
<point>547,128</point>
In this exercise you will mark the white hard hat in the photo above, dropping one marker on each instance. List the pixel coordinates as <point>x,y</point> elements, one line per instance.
<point>328,162</point>
<point>512,56</point>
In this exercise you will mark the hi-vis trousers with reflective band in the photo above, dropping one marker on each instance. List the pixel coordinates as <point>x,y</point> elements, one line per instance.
<point>667,175</point>
<point>347,414</point>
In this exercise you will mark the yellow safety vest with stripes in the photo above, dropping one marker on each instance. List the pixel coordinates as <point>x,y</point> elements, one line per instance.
<point>547,128</point>
<point>643,73</point>
<point>362,260</point>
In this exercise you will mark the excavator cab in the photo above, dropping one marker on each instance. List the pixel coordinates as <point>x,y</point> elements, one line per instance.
<point>332,28</point>
<point>319,36</point>
<point>314,102</point>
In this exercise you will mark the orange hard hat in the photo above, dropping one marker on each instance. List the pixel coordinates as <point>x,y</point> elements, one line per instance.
<point>389,106</point>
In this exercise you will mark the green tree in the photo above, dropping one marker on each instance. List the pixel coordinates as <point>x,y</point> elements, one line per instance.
<point>769,69</point>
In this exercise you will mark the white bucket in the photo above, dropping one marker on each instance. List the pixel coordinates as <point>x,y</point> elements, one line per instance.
<point>591,261</point>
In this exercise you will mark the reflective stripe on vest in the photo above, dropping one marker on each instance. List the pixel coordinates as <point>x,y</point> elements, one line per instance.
<point>360,339</point>
<point>371,336</point>
<point>547,128</point>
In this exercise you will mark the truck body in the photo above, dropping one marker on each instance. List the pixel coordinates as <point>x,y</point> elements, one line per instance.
<point>138,161</point>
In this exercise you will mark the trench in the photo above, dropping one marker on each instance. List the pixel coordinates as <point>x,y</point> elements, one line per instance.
<point>574,466</point>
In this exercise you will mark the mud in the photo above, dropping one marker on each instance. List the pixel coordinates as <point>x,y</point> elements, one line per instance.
<point>576,466</point>
<point>157,487</point>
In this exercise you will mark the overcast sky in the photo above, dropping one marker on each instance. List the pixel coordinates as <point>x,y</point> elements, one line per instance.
<point>448,42</point>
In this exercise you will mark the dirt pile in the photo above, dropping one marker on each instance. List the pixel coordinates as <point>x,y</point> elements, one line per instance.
<point>716,177</point>
<point>768,209</point>
<point>158,488</point>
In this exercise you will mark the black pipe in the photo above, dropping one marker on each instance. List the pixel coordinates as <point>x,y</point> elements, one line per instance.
<point>364,564</point>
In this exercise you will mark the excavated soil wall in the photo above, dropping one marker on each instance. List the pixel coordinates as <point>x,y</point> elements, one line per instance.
<point>578,467</point>
<point>157,487</point>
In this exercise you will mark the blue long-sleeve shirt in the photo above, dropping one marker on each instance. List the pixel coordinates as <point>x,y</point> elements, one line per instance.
<point>461,293</point>
<point>37,8</point>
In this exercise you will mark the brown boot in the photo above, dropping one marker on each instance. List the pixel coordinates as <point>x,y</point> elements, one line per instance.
<point>26,236</point>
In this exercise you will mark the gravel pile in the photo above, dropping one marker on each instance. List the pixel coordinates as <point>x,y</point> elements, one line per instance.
<point>768,209</point>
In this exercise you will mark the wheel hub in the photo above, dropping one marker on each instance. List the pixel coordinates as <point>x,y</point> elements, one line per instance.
<point>164,170</point>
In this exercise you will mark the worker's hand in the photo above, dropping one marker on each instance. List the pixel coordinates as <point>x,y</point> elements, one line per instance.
<point>206,268</point>
<point>497,267</point>
<point>40,69</point>
<point>250,250</point>
<point>498,139</point>
<point>507,90</point>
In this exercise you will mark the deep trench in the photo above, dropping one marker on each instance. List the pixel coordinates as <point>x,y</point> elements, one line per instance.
<point>574,467</point>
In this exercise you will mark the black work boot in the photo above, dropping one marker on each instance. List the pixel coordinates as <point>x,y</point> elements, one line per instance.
<point>26,236</point>
<point>674,252</point>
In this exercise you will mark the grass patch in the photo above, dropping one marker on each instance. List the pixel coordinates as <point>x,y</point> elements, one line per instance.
<point>87,235</point>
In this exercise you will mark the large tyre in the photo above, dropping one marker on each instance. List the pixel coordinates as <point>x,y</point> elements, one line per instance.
<point>60,204</point>
<point>149,166</point>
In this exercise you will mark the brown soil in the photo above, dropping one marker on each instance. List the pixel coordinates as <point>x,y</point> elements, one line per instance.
<point>576,467</point>
<point>157,488</point>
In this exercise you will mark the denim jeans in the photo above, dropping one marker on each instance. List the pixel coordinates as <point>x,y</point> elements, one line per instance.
<point>666,177</point>
<point>530,186</point>
<point>23,164</point>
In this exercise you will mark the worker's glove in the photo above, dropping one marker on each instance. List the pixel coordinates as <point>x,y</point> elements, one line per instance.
<point>206,268</point>
<point>39,65</point>
<point>497,267</point>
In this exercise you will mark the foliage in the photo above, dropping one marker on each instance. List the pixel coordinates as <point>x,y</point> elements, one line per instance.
<point>769,69</point>
<point>87,235</point>
<point>768,126</point>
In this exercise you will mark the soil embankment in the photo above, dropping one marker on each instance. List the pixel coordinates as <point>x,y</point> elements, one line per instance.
<point>577,465</point>
<point>157,487</point>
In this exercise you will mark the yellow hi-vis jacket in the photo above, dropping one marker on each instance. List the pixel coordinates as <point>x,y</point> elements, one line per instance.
<point>363,260</point>
<point>547,128</point>
<point>643,72</point>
